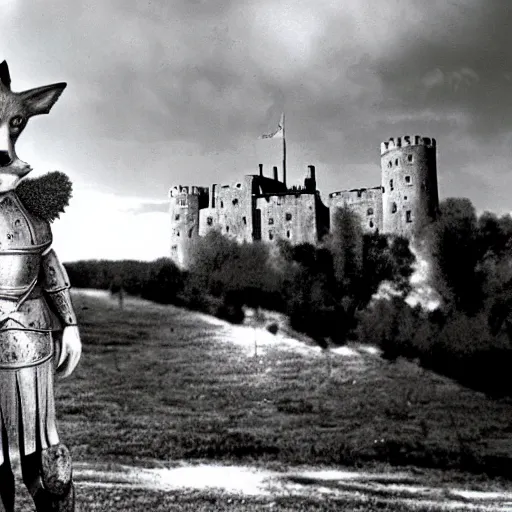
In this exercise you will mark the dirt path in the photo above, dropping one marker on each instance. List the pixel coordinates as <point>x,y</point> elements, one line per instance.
<point>245,481</point>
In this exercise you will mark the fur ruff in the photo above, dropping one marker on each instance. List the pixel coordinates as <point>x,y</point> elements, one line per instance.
<point>46,196</point>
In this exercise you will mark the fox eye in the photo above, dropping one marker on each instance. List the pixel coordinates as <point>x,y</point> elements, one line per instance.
<point>17,121</point>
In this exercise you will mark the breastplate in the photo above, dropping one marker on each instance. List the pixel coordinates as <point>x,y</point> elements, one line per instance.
<point>23,239</point>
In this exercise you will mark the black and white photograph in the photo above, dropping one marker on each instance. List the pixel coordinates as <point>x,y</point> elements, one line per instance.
<point>256,255</point>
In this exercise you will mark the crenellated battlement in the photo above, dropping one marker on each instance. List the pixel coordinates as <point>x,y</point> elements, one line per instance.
<point>193,190</point>
<point>406,140</point>
<point>357,193</point>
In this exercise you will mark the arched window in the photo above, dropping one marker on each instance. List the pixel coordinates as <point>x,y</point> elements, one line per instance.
<point>393,208</point>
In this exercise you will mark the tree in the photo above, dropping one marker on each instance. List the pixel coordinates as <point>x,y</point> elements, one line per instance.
<point>454,245</point>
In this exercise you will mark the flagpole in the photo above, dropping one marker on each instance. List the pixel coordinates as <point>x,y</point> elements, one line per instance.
<point>284,153</point>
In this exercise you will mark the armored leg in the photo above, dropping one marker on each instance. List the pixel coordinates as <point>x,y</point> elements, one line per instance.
<point>6,488</point>
<point>52,487</point>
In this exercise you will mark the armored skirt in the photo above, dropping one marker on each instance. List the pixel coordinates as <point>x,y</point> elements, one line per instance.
<point>28,346</point>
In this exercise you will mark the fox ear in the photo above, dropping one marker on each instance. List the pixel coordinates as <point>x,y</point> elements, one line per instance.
<point>5,77</point>
<point>41,99</point>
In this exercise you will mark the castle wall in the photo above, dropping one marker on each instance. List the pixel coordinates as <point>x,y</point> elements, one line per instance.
<point>263,208</point>
<point>288,216</point>
<point>184,206</point>
<point>230,211</point>
<point>409,182</point>
<point>365,202</point>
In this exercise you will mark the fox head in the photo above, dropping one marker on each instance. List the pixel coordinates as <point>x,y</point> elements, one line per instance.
<point>15,110</point>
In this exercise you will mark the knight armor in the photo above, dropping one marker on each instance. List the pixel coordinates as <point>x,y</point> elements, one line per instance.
<point>34,303</point>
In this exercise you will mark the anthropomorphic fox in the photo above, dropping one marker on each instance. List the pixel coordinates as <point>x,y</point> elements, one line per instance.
<point>38,326</point>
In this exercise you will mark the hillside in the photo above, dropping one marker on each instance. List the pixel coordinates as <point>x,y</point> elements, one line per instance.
<point>158,384</point>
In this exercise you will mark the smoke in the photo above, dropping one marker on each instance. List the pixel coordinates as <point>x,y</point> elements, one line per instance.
<point>423,293</point>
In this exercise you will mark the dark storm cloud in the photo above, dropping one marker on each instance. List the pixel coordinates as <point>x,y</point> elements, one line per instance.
<point>465,68</point>
<point>211,75</point>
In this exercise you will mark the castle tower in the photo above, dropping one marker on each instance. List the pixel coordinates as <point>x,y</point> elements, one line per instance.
<point>310,180</point>
<point>185,203</point>
<point>409,184</point>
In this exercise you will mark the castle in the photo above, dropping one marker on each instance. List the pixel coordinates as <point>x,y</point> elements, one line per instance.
<point>263,208</point>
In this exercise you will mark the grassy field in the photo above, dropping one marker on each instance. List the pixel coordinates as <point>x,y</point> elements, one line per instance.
<point>160,383</point>
<point>121,500</point>
<point>157,384</point>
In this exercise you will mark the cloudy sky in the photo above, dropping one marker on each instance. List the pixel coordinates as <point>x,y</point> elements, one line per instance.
<point>168,92</point>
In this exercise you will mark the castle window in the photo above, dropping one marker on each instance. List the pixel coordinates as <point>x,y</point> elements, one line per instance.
<point>174,248</point>
<point>244,220</point>
<point>270,235</point>
<point>190,231</point>
<point>182,201</point>
<point>238,185</point>
<point>405,198</point>
<point>396,162</point>
<point>288,216</point>
<point>393,208</point>
<point>270,221</point>
<point>222,204</point>
<point>177,216</point>
<point>371,224</point>
<point>390,164</point>
<point>369,211</point>
<point>391,185</point>
<point>227,229</point>
<point>209,221</point>
<point>288,234</point>
<point>177,233</point>
<point>409,158</point>
<point>235,202</point>
<point>408,180</point>
<point>383,190</point>
<point>408,216</point>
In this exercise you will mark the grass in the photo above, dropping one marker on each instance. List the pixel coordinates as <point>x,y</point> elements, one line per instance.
<point>112,500</point>
<point>160,383</point>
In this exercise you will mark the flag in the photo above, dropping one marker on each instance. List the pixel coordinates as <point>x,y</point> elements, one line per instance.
<point>276,134</point>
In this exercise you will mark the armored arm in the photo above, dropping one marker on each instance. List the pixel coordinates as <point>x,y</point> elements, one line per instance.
<point>55,283</point>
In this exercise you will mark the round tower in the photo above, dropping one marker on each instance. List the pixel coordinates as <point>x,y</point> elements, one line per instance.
<point>409,184</point>
<point>185,203</point>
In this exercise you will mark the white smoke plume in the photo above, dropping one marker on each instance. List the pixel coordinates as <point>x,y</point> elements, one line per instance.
<point>422,291</point>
